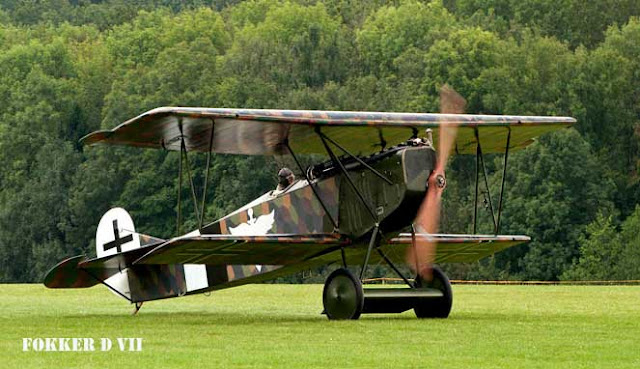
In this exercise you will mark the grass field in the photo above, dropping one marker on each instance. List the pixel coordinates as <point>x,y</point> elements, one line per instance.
<point>265,326</point>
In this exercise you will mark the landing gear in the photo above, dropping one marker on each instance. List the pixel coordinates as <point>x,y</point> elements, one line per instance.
<point>343,297</point>
<point>438,307</point>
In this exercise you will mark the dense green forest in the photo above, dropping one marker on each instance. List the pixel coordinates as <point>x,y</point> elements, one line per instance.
<point>69,67</point>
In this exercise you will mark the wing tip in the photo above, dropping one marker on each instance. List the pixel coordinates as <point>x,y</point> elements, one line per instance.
<point>95,137</point>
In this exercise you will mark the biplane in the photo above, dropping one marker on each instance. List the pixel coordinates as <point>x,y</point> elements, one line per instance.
<point>375,199</point>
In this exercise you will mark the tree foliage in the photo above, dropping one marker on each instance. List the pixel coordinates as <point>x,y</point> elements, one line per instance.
<point>607,252</point>
<point>68,68</point>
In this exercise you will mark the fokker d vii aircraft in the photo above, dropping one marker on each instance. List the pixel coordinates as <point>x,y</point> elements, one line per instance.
<point>370,202</point>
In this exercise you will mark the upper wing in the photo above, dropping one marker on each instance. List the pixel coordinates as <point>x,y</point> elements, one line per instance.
<point>266,132</point>
<point>463,248</point>
<point>223,249</point>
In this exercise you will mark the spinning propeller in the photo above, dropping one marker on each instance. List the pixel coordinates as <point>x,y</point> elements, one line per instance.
<point>421,254</point>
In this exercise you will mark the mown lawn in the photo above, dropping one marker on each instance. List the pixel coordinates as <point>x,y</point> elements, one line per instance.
<point>267,326</point>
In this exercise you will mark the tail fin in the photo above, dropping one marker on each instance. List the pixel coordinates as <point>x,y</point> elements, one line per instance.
<point>116,234</point>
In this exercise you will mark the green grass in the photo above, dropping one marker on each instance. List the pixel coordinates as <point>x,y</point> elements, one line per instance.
<point>264,326</point>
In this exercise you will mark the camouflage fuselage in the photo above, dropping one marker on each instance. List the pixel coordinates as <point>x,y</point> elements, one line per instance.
<point>297,210</point>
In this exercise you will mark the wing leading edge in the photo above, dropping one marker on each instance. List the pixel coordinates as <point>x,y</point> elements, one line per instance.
<point>266,132</point>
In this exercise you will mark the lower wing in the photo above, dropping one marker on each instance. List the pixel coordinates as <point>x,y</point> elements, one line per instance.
<point>222,249</point>
<point>284,250</point>
<point>461,248</point>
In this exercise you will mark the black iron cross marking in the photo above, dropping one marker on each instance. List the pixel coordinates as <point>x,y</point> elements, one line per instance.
<point>118,241</point>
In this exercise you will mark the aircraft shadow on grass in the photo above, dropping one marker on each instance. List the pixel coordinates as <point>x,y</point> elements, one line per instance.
<point>229,319</point>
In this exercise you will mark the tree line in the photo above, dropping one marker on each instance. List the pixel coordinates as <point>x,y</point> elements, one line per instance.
<point>69,67</point>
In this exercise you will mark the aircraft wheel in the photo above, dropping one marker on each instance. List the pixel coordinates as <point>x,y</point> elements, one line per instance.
<point>438,308</point>
<point>342,296</point>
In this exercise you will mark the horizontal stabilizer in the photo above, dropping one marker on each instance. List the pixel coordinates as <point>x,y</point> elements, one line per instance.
<point>67,275</point>
<point>81,272</point>
<point>107,266</point>
<point>463,248</point>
